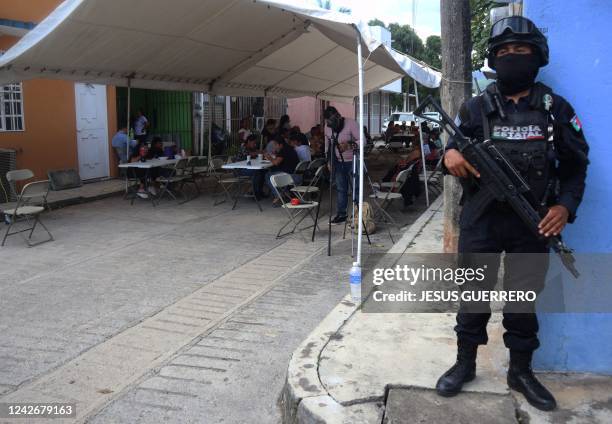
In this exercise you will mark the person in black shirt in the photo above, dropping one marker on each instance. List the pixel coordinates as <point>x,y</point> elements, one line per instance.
<point>157,149</point>
<point>285,160</point>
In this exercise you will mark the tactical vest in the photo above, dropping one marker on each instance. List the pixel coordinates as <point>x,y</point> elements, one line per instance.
<point>523,137</point>
<point>526,140</point>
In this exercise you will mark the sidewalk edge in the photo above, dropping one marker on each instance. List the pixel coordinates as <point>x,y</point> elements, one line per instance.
<point>297,400</point>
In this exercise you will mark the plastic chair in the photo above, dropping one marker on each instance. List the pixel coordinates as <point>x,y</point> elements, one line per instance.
<point>31,202</point>
<point>190,176</point>
<point>303,191</point>
<point>229,183</point>
<point>176,176</point>
<point>312,169</point>
<point>383,197</point>
<point>301,167</point>
<point>296,213</point>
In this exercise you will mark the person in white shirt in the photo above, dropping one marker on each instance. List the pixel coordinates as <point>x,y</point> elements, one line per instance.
<point>300,144</point>
<point>141,124</point>
<point>244,132</point>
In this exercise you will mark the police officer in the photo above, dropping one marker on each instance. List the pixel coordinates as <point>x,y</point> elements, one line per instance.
<point>542,136</point>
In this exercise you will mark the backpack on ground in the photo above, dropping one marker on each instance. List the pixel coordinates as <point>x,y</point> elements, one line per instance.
<point>368,219</point>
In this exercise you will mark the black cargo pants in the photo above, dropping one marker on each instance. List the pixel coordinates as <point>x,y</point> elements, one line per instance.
<point>481,243</point>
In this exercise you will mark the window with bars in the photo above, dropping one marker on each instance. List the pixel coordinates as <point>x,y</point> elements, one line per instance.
<point>11,107</point>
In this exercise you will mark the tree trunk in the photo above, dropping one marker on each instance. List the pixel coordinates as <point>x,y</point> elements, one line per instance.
<point>456,88</point>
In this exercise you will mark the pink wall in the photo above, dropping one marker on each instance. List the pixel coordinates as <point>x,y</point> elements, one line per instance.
<point>304,111</point>
<point>346,109</point>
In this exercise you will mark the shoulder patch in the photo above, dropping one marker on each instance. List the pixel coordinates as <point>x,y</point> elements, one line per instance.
<point>576,123</point>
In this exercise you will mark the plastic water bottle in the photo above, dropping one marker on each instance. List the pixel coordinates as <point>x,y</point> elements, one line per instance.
<point>355,282</point>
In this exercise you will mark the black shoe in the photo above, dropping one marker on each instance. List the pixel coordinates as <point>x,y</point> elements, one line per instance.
<point>463,371</point>
<point>521,379</point>
<point>338,219</point>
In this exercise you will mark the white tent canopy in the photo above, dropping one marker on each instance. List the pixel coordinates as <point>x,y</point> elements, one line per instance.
<point>225,47</point>
<point>229,47</point>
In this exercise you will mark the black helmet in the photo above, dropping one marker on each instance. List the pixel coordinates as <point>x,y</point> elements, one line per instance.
<point>516,29</point>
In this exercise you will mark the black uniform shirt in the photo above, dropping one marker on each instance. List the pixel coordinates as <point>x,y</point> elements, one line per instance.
<point>569,142</point>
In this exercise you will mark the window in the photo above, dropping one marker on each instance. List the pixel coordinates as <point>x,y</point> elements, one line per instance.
<point>11,107</point>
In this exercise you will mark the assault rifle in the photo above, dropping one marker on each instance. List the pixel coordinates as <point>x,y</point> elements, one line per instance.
<point>500,179</point>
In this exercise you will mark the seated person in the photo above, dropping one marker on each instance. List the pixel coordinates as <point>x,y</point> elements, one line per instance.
<point>284,159</point>
<point>139,154</point>
<point>434,145</point>
<point>311,133</point>
<point>281,132</point>
<point>155,152</point>
<point>412,186</point>
<point>244,130</point>
<point>425,128</point>
<point>434,137</point>
<point>269,131</point>
<point>120,143</point>
<point>299,142</point>
<point>249,150</point>
<point>317,147</point>
<point>390,130</point>
<point>157,149</point>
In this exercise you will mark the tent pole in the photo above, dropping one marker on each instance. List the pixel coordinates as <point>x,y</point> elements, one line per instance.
<point>361,147</point>
<point>201,142</point>
<point>127,121</point>
<point>261,146</point>
<point>211,106</point>
<point>416,93</point>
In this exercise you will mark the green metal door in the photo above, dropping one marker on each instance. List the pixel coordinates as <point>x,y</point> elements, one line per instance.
<point>169,113</point>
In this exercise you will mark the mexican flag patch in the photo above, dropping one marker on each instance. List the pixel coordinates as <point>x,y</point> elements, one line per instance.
<point>576,123</point>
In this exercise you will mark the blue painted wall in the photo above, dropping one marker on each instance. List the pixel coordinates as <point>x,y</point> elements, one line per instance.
<point>580,38</point>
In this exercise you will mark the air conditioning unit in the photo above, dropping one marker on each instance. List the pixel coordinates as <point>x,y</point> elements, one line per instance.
<point>8,162</point>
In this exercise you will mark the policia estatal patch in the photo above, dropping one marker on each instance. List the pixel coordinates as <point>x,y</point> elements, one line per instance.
<point>517,132</point>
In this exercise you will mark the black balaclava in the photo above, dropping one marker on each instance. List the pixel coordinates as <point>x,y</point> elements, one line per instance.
<point>516,72</point>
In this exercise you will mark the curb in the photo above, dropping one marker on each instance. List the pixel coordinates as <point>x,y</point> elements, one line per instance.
<point>304,399</point>
<point>302,374</point>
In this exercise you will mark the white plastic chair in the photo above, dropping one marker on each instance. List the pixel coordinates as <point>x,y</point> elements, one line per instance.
<point>170,182</point>
<point>385,193</point>
<point>31,202</point>
<point>230,184</point>
<point>303,191</point>
<point>296,213</point>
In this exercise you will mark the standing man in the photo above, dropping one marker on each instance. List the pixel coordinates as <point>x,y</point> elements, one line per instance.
<point>541,135</point>
<point>141,125</point>
<point>344,133</point>
<point>122,144</point>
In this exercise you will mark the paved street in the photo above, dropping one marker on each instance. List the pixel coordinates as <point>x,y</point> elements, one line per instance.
<point>183,313</point>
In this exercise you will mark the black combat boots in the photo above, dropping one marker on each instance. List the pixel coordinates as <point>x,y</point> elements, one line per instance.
<point>521,379</point>
<point>463,371</point>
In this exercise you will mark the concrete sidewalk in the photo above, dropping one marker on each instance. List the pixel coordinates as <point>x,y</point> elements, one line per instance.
<point>361,367</point>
